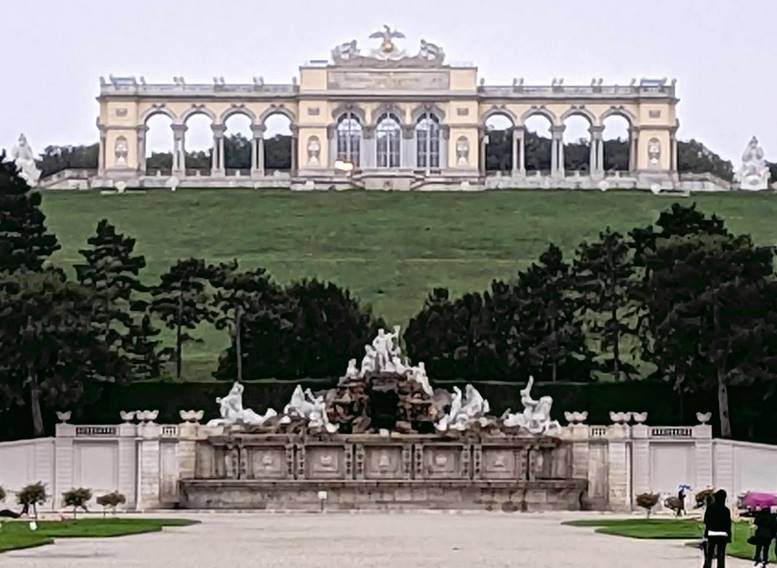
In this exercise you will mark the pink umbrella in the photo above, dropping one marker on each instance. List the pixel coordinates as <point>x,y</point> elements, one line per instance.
<point>753,500</point>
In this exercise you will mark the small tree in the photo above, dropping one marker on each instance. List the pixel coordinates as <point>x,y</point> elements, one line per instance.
<point>647,501</point>
<point>32,495</point>
<point>704,497</point>
<point>77,498</point>
<point>674,504</point>
<point>2,494</point>
<point>112,500</point>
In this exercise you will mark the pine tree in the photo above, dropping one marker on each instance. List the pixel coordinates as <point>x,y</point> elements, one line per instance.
<point>714,301</point>
<point>182,301</point>
<point>548,328</point>
<point>243,297</point>
<point>141,346</point>
<point>603,282</point>
<point>50,351</point>
<point>24,240</point>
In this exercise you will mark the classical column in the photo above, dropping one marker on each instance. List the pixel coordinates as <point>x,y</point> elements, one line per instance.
<point>514,153</point>
<point>217,161</point>
<point>257,150</point>
<point>142,130</point>
<point>369,154</point>
<point>482,156</point>
<point>179,150</point>
<point>521,142</point>
<point>673,151</point>
<point>101,155</point>
<point>407,147</point>
<point>633,149</point>
<point>596,161</point>
<point>294,143</point>
<point>445,137</point>
<point>557,146</point>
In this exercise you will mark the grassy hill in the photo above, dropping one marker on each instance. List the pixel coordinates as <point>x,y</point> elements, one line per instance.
<point>389,249</point>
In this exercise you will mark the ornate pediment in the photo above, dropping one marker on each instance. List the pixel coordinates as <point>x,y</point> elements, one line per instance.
<point>387,54</point>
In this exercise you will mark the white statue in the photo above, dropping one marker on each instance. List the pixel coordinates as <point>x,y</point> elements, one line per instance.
<point>535,417</point>
<point>121,151</point>
<point>462,151</point>
<point>386,350</point>
<point>351,373</point>
<point>24,158</point>
<point>232,411</point>
<point>345,51</point>
<point>466,410</point>
<point>431,51</point>
<point>418,374</point>
<point>753,175</point>
<point>368,361</point>
<point>314,149</point>
<point>304,404</point>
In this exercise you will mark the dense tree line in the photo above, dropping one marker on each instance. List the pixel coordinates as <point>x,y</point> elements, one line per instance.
<point>684,298</point>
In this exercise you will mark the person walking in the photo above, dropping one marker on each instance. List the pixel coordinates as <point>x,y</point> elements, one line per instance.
<point>717,530</point>
<point>764,533</point>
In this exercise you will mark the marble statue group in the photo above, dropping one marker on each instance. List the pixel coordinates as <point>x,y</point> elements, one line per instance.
<point>464,410</point>
<point>24,158</point>
<point>753,174</point>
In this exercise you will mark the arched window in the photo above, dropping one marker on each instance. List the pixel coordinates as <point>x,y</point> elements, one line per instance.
<point>387,135</point>
<point>349,135</point>
<point>427,135</point>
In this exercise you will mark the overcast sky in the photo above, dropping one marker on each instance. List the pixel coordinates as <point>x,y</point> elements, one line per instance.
<point>722,52</point>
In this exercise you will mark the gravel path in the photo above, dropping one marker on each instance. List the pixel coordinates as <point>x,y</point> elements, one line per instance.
<point>402,540</point>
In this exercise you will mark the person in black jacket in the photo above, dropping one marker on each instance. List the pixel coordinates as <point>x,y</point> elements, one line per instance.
<point>764,533</point>
<point>717,530</point>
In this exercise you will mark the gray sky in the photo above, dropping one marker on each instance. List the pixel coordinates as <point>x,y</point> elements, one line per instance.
<point>722,52</point>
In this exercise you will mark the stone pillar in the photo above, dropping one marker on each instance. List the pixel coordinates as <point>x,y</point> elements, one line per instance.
<point>633,149</point>
<point>673,151</point>
<point>179,150</point>
<point>723,461</point>
<point>596,167</point>
<point>186,450</point>
<point>217,168</point>
<point>142,130</point>
<point>294,149</point>
<point>101,154</point>
<point>445,136</point>
<point>578,434</point>
<point>514,147</point>
<point>521,132</point>
<point>482,156</point>
<point>257,150</point>
<point>703,457</point>
<point>618,470</point>
<point>640,463</point>
<point>127,462</point>
<point>407,148</point>
<point>63,461</point>
<point>557,151</point>
<point>369,150</point>
<point>149,474</point>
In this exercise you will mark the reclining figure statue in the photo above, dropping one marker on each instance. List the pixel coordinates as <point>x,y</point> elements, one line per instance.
<point>465,411</point>
<point>232,411</point>
<point>305,405</point>
<point>535,417</point>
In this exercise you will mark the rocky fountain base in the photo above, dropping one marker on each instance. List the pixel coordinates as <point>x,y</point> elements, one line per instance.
<point>383,438</point>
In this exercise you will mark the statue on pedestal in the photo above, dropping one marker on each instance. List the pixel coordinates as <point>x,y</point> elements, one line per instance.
<point>24,158</point>
<point>311,408</point>
<point>753,175</point>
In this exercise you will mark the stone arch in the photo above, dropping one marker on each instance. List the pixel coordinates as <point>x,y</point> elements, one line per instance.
<point>580,111</point>
<point>233,110</point>
<point>197,109</point>
<point>276,109</point>
<point>541,111</point>
<point>499,110</point>
<point>619,111</point>
<point>157,110</point>
<point>425,108</point>
<point>356,110</point>
<point>388,108</point>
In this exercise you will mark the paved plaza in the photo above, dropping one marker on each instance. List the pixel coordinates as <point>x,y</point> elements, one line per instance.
<point>407,540</point>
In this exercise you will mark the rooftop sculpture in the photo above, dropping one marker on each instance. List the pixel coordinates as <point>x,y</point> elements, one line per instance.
<point>753,174</point>
<point>388,54</point>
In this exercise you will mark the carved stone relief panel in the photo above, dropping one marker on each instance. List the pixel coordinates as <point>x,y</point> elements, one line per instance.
<point>654,153</point>
<point>325,462</point>
<point>383,462</point>
<point>443,462</point>
<point>500,463</point>
<point>268,462</point>
<point>398,80</point>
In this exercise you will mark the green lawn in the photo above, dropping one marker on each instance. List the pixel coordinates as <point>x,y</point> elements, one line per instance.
<point>678,529</point>
<point>389,248</point>
<point>17,534</point>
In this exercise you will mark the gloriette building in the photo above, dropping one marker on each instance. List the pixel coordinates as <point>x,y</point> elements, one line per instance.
<point>383,118</point>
